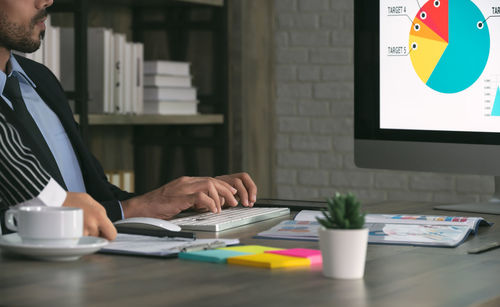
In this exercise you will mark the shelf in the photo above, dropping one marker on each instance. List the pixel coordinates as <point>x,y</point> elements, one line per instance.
<point>153,119</point>
<point>207,2</point>
<point>146,3</point>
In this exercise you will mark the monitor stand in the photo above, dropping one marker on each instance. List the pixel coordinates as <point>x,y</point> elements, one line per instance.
<point>491,207</point>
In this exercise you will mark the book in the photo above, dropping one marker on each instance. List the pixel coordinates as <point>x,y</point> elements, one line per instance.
<point>128,79</point>
<point>100,67</point>
<point>424,230</point>
<point>119,80</point>
<point>166,68</point>
<point>138,81</point>
<point>170,93</point>
<point>171,107</point>
<point>167,80</point>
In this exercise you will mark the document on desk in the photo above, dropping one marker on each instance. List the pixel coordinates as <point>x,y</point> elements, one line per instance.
<point>472,223</point>
<point>160,247</point>
<point>421,230</point>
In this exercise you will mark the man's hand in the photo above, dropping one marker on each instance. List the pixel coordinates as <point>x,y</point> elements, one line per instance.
<point>200,193</point>
<point>95,221</point>
<point>247,190</point>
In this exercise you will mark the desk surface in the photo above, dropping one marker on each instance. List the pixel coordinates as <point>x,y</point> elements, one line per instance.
<point>394,276</point>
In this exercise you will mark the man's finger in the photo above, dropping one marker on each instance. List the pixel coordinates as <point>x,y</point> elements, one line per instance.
<point>202,200</point>
<point>242,192</point>
<point>93,230</point>
<point>223,189</point>
<point>107,230</point>
<point>226,193</point>
<point>220,182</point>
<point>212,193</point>
<point>251,188</point>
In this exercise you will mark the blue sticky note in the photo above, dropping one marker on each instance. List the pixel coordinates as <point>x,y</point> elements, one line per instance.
<point>211,255</point>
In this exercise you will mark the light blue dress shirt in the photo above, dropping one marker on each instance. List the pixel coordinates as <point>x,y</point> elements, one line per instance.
<point>50,126</point>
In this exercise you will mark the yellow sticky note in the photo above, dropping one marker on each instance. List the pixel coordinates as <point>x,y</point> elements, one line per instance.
<point>251,249</point>
<point>269,261</point>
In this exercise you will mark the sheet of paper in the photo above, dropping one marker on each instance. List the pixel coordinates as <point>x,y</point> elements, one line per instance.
<point>471,222</point>
<point>428,235</point>
<point>298,230</point>
<point>308,215</point>
<point>406,232</point>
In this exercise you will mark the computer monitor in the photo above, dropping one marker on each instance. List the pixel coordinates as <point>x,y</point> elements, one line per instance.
<point>427,88</point>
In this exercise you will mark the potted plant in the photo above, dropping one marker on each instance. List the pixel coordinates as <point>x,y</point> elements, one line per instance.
<point>343,238</point>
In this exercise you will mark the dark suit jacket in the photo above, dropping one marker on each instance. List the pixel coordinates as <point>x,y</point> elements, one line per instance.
<point>50,90</point>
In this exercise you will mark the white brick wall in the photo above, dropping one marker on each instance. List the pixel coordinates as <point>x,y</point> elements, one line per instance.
<point>314,115</point>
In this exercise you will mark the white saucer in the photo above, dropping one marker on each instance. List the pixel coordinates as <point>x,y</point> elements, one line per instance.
<point>86,245</point>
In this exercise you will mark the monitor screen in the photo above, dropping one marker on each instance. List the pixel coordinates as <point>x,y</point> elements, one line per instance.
<point>439,66</point>
<point>427,85</point>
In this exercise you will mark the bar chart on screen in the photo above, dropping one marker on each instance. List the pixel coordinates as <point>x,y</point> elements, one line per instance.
<point>492,96</point>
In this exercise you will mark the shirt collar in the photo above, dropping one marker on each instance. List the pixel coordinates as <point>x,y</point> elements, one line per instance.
<point>16,68</point>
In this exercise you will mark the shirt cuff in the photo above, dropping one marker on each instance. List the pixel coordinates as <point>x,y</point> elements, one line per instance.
<point>121,209</point>
<point>53,195</point>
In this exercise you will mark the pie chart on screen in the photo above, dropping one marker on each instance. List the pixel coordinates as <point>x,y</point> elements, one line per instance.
<point>449,44</point>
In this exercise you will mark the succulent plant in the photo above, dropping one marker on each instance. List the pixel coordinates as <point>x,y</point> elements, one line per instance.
<point>343,212</point>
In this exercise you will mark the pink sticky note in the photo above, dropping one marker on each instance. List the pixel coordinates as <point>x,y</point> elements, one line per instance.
<point>313,255</point>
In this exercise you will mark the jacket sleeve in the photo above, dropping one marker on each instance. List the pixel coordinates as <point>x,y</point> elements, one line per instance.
<point>22,178</point>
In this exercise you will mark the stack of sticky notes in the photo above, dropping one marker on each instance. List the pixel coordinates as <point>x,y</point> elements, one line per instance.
<point>258,256</point>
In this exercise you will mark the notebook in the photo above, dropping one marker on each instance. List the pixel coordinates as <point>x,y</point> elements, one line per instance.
<point>139,245</point>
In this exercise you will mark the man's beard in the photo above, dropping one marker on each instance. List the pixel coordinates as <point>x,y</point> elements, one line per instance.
<point>17,37</point>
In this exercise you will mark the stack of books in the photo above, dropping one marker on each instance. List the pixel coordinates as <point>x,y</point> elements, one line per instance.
<point>168,88</point>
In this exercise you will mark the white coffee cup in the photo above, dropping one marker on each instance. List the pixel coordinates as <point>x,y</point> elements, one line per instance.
<point>57,226</point>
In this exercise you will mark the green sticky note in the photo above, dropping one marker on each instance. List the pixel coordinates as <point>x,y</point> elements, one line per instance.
<point>212,255</point>
<point>251,249</point>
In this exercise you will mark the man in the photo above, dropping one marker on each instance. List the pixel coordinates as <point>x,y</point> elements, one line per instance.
<point>34,103</point>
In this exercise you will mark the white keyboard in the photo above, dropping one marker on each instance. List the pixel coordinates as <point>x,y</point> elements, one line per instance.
<point>228,218</point>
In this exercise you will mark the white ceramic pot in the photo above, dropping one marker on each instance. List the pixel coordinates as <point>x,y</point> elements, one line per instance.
<point>344,252</point>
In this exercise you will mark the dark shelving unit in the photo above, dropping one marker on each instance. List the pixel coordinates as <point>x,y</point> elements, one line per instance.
<point>187,138</point>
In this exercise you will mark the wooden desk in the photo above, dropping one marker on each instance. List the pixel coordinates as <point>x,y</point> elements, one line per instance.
<point>395,276</point>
